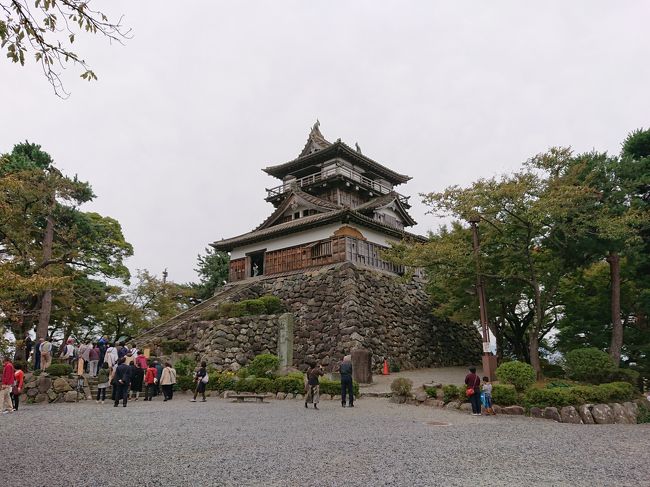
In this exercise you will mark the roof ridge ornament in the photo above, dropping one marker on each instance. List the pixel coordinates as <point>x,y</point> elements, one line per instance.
<point>315,141</point>
<point>356,144</point>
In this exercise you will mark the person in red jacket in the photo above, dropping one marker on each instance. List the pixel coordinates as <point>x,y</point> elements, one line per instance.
<point>18,386</point>
<point>8,379</point>
<point>150,382</point>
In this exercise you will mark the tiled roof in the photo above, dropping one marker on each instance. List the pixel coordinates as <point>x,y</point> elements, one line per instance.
<point>311,199</point>
<point>337,149</point>
<point>343,215</point>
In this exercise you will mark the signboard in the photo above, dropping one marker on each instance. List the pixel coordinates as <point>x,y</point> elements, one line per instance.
<point>486,347</point>
<point>146,352</point>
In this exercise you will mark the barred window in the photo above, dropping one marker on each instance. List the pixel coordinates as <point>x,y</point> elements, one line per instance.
<point>321,249</point>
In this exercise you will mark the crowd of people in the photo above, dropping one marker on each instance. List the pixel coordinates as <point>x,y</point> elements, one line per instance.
<point>129,373</point>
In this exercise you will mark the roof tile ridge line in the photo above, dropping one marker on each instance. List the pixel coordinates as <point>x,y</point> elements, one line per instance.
<point>326,204</point>
<point>363,156</point>
<point>283,206</point>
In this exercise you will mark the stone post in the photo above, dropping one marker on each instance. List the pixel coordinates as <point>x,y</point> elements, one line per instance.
<point>361,366</point>
<point>285,340</point>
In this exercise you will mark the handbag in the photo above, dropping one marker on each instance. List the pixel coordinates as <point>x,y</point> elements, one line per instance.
<point>469,392</point>
<point>205,379</point>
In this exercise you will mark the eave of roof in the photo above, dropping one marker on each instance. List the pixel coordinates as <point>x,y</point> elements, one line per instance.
<point>344,215</point>
<point>312,200</point>
<point>337,149</point>
<point>385,200</point>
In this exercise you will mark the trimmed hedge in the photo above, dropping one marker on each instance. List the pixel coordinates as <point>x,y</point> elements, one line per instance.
<point>264,365</point>
<point>268,305</point>
<point>452,393</point>
<point>626,375</point>
<point>576,395</point>
<point>504,394</point>
<point>59,369</point>
<point>519,374</point>
<point>290,384</point>
<point>333,387</point>
<point>589,365</point>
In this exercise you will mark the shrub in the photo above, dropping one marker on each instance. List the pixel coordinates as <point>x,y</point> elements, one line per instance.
<point>504,395</point>
<point>255,384</point>
<point>171,346</point>
<point>185,382</point>
<point>643,416</point>
<point>185,366</point>
<point>451,393</point>
<point>431,392</point>
<point>542,398</point>
<point>589,365</point>
<point>553,371</point>
<point>264,365</point>
<point>243,373</point>
<point>222,381</point>
<point>625,375</point>
<point>401,386</point>
<point>273,304</point>
<point>59,369</point>
<point>290,384</point>
<point>618,391</point>
<point>333,387</point>
<point>519,374</point>
<point>210,314</point>
<point>394,366</point>
<point>254,306</point>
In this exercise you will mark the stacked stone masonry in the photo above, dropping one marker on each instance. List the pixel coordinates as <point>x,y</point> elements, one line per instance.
<point>336,309</point>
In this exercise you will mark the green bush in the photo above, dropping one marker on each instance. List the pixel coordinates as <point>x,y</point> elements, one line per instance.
<point>504,394</point>
<point>273,304</point>
<point>394,366</point>
<point>643,415</point>
<point>210,314</point>
<point>171,346</point>
<point>185,382</point>
<point>451,393</point>
<point>552,371</point>
<point>221,381</point>
<point>254,306</point>
<point>589,365</point>
<point>519,374</point>
<point>264,365</point>
<point>59,369</point>
<point>625,375</point>
<point>431,392</point>
<point>290,384</point>
<point>401,386</point>
<point>255,384</point>
<point>333,387</point>
<point>576,395</point>
<point>243,373</point>
<point>185,366</point>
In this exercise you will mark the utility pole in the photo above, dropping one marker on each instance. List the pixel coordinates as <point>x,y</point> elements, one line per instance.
<point>488,360</point>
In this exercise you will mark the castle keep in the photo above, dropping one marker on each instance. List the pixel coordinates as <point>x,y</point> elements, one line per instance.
<point>320,252</point>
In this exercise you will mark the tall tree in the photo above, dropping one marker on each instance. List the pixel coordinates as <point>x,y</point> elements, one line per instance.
<point>212,268</point>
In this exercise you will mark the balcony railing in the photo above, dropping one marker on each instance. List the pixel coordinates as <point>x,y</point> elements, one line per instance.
<point>331,173</point>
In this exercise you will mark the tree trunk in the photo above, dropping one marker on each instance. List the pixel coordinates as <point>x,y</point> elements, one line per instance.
<point>533,334</point>
<point>617,324</point>
<point>46,297</point>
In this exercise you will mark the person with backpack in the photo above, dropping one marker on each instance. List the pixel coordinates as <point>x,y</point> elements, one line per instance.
<point>137,378</point>
<point>201,378</point>
<point>473,391</point>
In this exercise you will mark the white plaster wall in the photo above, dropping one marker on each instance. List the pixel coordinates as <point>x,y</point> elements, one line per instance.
<point>307,236</point>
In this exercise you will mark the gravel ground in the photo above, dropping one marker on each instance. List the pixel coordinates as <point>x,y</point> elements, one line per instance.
<point>281,444</point>
<point>439,375</point>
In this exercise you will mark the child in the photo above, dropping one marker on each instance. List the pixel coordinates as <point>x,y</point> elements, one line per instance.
<point>487,393</point>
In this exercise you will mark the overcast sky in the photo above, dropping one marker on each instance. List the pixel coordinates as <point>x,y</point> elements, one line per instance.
<point>174,134</point>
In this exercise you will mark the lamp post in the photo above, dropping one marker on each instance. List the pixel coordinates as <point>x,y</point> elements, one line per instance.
<point>487,360</point>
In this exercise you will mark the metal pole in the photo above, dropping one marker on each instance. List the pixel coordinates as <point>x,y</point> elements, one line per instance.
<point>480,290</point>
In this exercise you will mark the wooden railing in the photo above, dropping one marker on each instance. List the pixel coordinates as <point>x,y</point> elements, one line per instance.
<point>330,173</point>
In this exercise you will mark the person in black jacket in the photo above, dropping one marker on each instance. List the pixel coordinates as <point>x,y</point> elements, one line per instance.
<point>121,382</point>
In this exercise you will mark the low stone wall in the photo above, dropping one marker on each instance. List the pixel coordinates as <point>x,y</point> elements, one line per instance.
<point>45,388</point>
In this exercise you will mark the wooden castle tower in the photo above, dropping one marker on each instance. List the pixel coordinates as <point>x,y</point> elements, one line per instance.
<point>334,205</point>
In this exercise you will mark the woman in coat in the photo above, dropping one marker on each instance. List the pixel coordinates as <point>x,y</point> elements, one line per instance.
<point>137,377</point>
<point>167,381</point>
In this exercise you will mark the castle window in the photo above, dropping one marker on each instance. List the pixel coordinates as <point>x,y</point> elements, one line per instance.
<point>321,249</point>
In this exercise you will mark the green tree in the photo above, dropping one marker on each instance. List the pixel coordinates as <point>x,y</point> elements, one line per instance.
<point>46,241</point>
<point>213,269</point>
<point>47,30</point>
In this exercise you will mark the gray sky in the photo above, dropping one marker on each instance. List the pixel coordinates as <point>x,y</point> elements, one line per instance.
<point>174,134</point>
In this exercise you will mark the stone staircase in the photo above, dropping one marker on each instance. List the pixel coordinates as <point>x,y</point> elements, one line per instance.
<point>230,292</point>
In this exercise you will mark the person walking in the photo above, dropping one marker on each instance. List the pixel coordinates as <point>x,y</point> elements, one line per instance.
<point>68,352</point>
<point>201,378</point>
<point>111,357</point>
<point>93,360</point>
<point>167,381</point>
<point>7,383</point>
<point>103,378</point>
<point>347,389</point>
<point>137,378</point>
<point>313,385</point>
<point>142,360</point>
<point>159,369</point>
<point>102,343</point>
<point>150,380</point>
<point>29,345</point>
<point>19,381</point>
<point>46,353</point>
<point>473,391</point>
<point>84,356</point>
<point>37,354</point>
<point>122,380</point>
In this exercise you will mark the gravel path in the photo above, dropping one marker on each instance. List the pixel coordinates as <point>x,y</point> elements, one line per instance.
<point>377,443</point>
